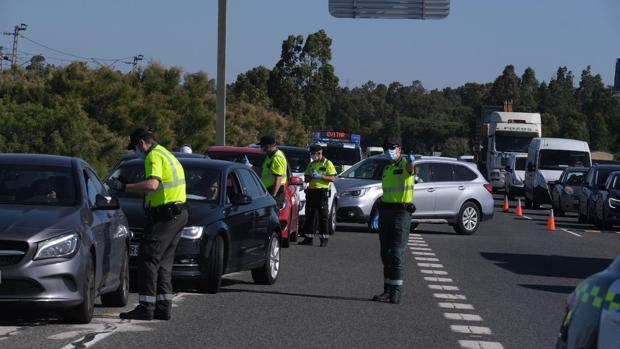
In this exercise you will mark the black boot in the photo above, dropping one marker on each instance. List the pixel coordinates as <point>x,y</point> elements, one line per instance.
<point>385,296</point>
<point>162,310</point>
<point>395,295</point>
<point>141,312</point>
<point>307,241</point>
<point>323,242</point>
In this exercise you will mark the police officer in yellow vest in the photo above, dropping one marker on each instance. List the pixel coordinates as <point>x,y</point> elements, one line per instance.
<point>166,213</point>
<point>274,169</point>
<point>395,211</point>
<point>319,174</point>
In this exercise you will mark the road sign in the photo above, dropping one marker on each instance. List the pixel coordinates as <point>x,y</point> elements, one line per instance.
<point>390,9</point>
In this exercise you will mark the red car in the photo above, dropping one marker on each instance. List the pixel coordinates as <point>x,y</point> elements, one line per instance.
<point>289,214</point>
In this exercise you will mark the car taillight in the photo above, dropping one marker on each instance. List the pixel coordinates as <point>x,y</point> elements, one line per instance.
<point>489,188</point>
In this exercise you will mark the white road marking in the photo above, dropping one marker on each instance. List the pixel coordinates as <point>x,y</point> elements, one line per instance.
<point>430,265</point>
<point>7,331</point>
<point>443,287</point>
<point>420,248</point>
<point>416,244</point>
<point>427,259</point>
<point>526,217</point>
<point>570,232</point>
<point>434,272</point>
<point>451,296</point>
<point>470,329</point>
<point>480,345</point>
<point>415,235</point>
<point>423,253</point>
<point>464,317</point>
<point>436,279</point>
<point>460,306</point>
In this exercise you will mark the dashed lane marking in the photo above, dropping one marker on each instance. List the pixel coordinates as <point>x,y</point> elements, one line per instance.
<point>459,306</point>
<point>570,232</point>
<point>443,287</point>
<point>423,253</point>
<point>436,279</point>
<point>426,259</point>
<point>464,317</point>
<point>526,217</point>
<point>430,265</point>
<point>593,231</point>
<point>480,345</point>
<point>470,329</point>
<point>417,244</point>
<point>420,248</point>
<point>434,272</point>
<point>450,296</point>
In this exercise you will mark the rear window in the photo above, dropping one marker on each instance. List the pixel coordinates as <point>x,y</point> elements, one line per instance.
<point>343,155</point>
<point>37,185</point>
<point>463,174</point>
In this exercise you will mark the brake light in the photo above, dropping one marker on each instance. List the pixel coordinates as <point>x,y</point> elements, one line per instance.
<point>488,187</point>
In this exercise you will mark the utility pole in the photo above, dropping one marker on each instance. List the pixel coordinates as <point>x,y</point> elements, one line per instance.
<point>220,123</point>
<point>15,34</point>
<point>1,58</point>
<point>136,59</point>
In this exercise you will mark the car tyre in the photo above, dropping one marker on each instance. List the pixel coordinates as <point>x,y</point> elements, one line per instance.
<point>468,220</point>
<point>211,282</point>
<point>332,219</point>
<point>120,296</point>
<point>268,273</point>
<point>83,313</point>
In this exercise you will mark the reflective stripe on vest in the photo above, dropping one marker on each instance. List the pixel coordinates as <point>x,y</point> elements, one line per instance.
<point>175,181</point>
<point>172,182</point>
<point>396,187</point>
<point>592,295</point>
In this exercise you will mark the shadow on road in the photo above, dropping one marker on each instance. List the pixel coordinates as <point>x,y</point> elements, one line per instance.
<point>297,295</point>
<point>28,318</point>
<point>552,265</point>
<point>550,288</point>
<point>353,229</point>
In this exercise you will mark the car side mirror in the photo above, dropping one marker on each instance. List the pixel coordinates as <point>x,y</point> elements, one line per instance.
<point>241,199</point>
<point>106,203</point>
<point>296,181</point>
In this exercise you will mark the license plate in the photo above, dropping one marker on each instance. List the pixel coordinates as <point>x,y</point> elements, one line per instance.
<point>133,250</point>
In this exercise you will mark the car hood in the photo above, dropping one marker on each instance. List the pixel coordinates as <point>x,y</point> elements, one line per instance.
<point>200,214</point>
<point>36,223</point>
<point>343,184</point>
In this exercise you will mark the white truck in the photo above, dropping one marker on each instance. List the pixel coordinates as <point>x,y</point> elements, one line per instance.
<point>508,133</point>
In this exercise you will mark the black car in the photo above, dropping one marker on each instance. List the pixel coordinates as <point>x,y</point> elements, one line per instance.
<point>63,240</point>
<point>233,222</point>
<point>607,202</point>
<point>565,192</point>
<point>596,176</point>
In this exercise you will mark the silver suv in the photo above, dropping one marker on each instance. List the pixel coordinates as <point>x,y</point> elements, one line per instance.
<point>446,191</point>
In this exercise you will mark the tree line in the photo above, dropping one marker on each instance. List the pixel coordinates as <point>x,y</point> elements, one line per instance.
<point>80,111</point>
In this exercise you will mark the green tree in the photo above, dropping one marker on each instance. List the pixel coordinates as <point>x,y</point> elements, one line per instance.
<point>505,87</point>
<point>528,91</point>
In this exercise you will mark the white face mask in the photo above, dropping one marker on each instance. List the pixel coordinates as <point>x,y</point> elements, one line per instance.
<point>314,157</point>
<point>391,153</point>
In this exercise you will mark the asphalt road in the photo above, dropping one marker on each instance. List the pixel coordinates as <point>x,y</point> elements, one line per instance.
<point>503,287</point>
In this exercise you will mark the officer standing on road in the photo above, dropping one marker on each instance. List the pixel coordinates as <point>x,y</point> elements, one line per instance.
<point>395,211</point>
<point>166,213</point>
<point>273,173</point>
<point>320,174</point>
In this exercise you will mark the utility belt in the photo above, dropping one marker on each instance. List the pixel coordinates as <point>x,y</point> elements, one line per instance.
<point>398,206</point>
<point>166,212</point>
<point>323,192</point>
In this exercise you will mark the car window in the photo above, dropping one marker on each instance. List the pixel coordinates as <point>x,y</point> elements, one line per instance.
<point>616,183</point>
<point>232,187</point>
<point>422,172</point>
<point>93,187</point>
<point>602,174</point>
<point>37,185</point>
<point>590,175</point>
<point>574,178</point>
<point>463,174</point>
<point>441,172</point>
<point>370,169</point>
<point>248,184</point>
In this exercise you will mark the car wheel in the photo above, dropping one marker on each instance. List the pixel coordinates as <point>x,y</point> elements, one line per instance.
<point>332,219</point>
<point>210,283</point>
<point>468,220</point>
<point>268,273</point>
<point>83,313</point>
<point>413,227</point>
<point>120,296</point>
<point>374,214</point>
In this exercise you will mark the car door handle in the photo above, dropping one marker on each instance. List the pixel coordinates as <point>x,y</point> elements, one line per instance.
<point>430,190</point>
<point>461,187</point>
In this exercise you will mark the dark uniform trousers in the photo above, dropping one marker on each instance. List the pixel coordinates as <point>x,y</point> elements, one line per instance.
<point>394,225</point>
<point>156,256</point>
<point>317,210</point>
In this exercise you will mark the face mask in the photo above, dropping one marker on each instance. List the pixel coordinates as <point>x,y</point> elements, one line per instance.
<point>139,152</point>
<point>314,157</point>
<point>391,153</point>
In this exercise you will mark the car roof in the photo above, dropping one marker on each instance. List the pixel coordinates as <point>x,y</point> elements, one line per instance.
<point>198,162</point>
<point>606,166</point>
<point>290,148</point>
<point>177,155</point>
<point>561,144</point>
<point>38,159</point>
<point>229,149</point>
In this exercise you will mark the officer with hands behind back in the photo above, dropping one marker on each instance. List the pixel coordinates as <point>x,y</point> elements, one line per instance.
<point>395,211</point>
<point>320,174</point>
<point>166,213</point>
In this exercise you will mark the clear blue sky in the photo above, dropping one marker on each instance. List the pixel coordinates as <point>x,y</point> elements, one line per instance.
<point>472,45</point>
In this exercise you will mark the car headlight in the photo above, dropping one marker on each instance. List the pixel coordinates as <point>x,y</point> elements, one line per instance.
<point>192,233</point>
<point>569,190</point>
<point>58,247</point>
<point>615,203</point>
<point>355,193</point>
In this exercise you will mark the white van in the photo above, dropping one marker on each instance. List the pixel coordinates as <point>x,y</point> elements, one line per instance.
<point>546,159</point>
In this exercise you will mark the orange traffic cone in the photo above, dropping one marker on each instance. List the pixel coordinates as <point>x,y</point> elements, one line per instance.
<point>519,209</point>
<point>506,207</point>
<point>551,221</point>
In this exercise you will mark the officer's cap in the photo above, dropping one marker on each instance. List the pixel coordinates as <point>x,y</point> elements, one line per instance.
<point>136,136</point>
<point>314,148</point>
<point>391,142</point>
<point>267,140</point>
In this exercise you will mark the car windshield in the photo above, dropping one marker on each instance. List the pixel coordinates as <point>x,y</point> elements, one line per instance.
<point>256,159</point>
<point>561,159</point>
<point>37,185</point>
<point>512,143</point>
<point>297,160</point>
<point>602,174</point>
<point>369,169</point>
<point>203,184</point>
<point>342,155</point>
<point>575,178</point>
<point>520,164</point>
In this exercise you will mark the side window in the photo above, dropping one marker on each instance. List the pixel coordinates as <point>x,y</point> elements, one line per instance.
<point>248,184</point>
<point>441,172</point>
<point>259,183</point>
<point>590,178</point>
<point>93,186</point>
<point>463,174</point>
<point>232,187</point>
<point>422,172</point>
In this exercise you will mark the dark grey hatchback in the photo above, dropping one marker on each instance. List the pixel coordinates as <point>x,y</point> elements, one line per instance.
<point>63,240</point>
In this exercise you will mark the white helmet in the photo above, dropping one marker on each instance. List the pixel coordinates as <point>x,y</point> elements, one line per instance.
<point>186,149</point>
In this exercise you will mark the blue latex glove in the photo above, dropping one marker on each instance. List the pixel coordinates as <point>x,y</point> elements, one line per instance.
<point>374,223</point>
<point>316,175</point>
<point>411,157</point>
<point>246,162</point>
